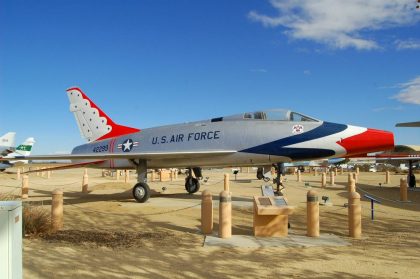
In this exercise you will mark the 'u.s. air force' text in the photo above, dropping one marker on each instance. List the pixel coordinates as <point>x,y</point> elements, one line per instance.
<point>199,136</point>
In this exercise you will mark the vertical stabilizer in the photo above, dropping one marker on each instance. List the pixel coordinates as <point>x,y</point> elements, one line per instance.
<point>93,123</point>
<point>8,140</point>
<point>26,147</point>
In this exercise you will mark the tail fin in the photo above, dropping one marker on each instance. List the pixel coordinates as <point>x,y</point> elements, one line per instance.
<point>8,139</point>
<point>26,147</point>
<point>93,123</point>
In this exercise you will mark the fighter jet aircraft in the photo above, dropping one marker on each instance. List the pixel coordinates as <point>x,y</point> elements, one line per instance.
<point>248,139</point>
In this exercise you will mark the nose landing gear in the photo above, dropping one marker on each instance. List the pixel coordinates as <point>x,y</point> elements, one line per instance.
<point>192,184</point>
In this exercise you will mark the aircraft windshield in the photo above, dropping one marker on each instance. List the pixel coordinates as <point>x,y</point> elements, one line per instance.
<point>294,116</point>
<point>268,115</point>
<point>277,115</point>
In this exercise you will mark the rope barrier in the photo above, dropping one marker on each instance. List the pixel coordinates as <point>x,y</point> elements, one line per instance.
<point>210,184</point>
<point>42,184</point>
<point>121,214</point>
<point>381,198</point>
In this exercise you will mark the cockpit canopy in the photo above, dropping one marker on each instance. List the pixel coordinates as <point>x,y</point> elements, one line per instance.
<point>268,115</point>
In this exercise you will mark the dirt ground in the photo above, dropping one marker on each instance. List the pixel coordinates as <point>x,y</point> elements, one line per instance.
<point>108,235</point>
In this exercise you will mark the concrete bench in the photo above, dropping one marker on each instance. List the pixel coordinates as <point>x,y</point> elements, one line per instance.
<point>271,216</point>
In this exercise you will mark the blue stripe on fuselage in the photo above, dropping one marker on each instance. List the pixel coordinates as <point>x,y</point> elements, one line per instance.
<point>278,148</point>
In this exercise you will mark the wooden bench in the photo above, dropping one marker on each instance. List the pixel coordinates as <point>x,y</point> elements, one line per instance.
<point>271,216</point>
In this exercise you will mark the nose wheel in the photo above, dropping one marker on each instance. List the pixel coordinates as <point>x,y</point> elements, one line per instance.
<point>141,192</point>
<point>192,185</point>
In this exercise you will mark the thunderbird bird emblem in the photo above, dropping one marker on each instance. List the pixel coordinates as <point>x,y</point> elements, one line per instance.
<point>297,129</point>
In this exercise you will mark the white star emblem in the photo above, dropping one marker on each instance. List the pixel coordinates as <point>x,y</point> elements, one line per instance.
<point>127,145</point>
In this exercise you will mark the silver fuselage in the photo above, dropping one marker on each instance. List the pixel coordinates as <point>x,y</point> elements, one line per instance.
<point>238,135</point>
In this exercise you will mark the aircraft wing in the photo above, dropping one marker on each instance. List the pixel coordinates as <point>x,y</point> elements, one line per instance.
<point>408,124</point>
<point>128,156</point>
<point>67,166</point>
<point>414,157</point>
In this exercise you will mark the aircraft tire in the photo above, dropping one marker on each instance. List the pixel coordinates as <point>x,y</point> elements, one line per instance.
<point>141,192</point>
<point>192,185</point>
<point>260,173</point>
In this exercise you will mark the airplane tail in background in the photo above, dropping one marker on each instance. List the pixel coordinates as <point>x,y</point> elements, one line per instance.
<point>8,139</point>
<point>93,123</point>
<point>26,147</point>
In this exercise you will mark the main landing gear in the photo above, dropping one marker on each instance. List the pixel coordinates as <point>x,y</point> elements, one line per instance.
<point>192,184</point>
<point>141,191</point>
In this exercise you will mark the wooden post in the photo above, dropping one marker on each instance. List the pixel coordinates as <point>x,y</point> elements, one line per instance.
<point>117,174</point>
<point>57,210</point>
<point>25,186</point>
<point>324,180</point>
<point>332,178</point>
<point>226,182</point>
<point>85,182</point>
<point>225,215</point>
<point>172,175</point>
<point>206,212</point>
<point>161,176</point>
<point>388,177</point>
<point>357,171</point>
<point>312,213</point>
<point>355,215</point>
<point>351,185</point>
<point>299,177</point>
<point>341,170</point>
<point>355,176</point>
<point>403,189</point>
<point>153,175</point>
<point>127,176</point>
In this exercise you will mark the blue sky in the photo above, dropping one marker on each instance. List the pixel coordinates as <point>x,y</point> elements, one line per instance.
<point>148,63</point>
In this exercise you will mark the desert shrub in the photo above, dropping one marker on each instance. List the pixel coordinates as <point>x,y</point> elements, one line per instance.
<point>7,197</point>
<point>36,220</point>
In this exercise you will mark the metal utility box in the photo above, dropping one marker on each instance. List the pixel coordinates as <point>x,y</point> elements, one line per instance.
<point>10,239</point>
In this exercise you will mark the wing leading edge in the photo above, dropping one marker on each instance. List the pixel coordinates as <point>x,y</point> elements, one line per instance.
<point>140,156</point>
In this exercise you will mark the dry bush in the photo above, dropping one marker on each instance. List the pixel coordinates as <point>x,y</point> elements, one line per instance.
<point>7,197</point>
<point>36,220</point>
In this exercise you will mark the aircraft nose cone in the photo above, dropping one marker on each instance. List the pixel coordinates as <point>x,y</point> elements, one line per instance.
<point>369,141</point>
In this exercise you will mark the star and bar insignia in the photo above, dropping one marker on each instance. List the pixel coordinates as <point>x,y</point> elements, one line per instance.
<point>127,145</point>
